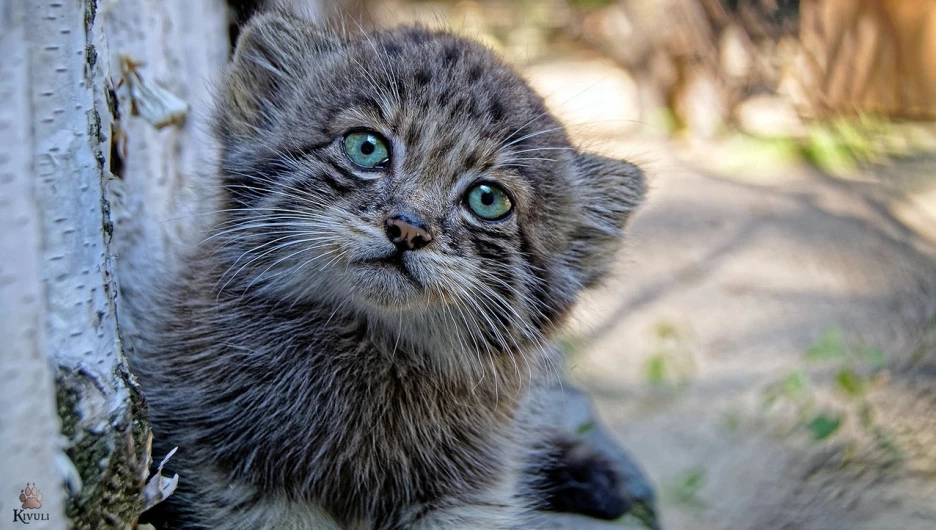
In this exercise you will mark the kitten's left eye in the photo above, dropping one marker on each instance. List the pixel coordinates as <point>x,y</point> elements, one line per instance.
<point>367,149</point>
<point>489,201</point>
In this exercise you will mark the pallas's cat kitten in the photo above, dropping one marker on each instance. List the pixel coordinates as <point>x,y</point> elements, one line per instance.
<point>361,339</point>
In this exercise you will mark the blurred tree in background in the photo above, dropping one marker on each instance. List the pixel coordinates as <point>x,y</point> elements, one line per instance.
<point>829,77</point>
<point>822,57</point>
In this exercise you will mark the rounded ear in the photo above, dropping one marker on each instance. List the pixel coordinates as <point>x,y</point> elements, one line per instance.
<point>272,55</point>
<point>610,190</point>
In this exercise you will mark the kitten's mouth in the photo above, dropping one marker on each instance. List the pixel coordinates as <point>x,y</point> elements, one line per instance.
<point>394,262</point>
<point>389,280</point>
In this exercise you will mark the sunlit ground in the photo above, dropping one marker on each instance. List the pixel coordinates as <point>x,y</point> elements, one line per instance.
<point>766,350</point>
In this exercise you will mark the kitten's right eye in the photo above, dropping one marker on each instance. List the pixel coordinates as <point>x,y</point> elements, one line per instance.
<point>489,201</point>
<point>367,149</point>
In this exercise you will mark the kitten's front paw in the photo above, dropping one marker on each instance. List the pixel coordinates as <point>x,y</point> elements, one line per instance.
<point>578,479</point>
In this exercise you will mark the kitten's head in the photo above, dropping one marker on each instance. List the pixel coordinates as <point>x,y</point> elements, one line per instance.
<point>412,176</point>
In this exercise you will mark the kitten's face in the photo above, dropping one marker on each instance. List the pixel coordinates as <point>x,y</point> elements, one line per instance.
<point>409,174</point>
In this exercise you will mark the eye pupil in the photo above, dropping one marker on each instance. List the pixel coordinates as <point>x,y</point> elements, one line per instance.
<point>367,149</point>
<point>488,201</point>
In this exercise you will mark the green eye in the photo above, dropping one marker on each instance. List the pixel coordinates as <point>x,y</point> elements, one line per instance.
<point>366,149</point>
<point>489,201</point>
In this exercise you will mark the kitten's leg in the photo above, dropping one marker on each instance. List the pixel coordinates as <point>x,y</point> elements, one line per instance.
<point>578,467</point>
<point>570,476</point>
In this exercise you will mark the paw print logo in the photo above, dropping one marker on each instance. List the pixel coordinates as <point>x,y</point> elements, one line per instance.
<point>30,497</point>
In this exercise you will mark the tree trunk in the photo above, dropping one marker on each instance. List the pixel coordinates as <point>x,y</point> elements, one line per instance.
<point>29,426</point>
<point>72,422</point>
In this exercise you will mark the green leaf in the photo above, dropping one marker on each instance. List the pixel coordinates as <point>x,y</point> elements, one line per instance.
<point>824,425</point>
<point>656,370</point>
<point>792,387</point>
<point>854,138</point>
<point>684,488</point>
<point>689,485</point>
<point>640,514</point>
<point>795,385</point>
<point>873,357</point>
<point>850,383</point>
<point>827,151</point>
<point>829,347</point>
<point>584,428</point>
<point>741,153</point>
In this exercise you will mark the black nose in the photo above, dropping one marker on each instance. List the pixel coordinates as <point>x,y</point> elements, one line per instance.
<point>407,232</point>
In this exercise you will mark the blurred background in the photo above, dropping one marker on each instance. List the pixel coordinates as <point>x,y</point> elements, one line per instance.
<point>766,347</point>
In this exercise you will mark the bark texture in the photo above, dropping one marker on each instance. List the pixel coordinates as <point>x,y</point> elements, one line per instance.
<point>29,443</point>
<point>71,419</point>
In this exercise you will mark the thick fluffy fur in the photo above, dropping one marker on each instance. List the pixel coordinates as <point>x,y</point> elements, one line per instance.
<point>313,375</point>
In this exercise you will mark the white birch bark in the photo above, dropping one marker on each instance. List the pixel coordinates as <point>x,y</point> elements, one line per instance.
<point>83,442</point>
<point>28,424</point>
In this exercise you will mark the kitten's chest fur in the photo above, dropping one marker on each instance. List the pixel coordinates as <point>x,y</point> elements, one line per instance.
<point>315,404</point>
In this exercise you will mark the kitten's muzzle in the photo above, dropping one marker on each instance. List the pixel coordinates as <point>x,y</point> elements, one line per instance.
<point>407,232</point>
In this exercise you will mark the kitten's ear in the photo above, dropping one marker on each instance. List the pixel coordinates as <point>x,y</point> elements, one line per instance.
<point>610,191</point>
<point>272,54</point>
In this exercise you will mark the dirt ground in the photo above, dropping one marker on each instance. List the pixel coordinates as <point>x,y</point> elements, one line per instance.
<point>716,353</point>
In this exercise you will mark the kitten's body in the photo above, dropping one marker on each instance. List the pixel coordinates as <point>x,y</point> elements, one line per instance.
<point>316,374</point>
<point>318,409</point>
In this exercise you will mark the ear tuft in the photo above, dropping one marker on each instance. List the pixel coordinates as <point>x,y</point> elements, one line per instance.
<point>610,191</point>
<point>272,54</point>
